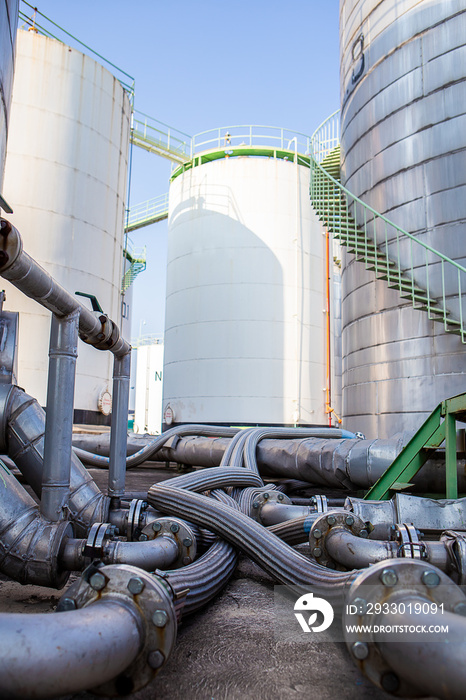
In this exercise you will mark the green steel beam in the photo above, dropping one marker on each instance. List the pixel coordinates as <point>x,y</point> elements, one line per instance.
<point>160,216</point>
<point>432,433</point>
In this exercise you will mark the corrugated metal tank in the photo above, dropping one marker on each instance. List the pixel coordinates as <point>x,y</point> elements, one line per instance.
<point>403,138</point>
<point>244,333</point>
<point>8,22</point>
<point>65,177</point>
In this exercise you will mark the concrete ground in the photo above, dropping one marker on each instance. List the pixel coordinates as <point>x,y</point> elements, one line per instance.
<point>227,651</point>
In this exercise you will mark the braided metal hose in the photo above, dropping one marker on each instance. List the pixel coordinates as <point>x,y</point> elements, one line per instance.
<point>274,556</point>
<point>206,577</point>
<point>215,478</point>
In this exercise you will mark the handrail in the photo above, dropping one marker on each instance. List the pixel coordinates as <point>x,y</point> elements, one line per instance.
<point>361,227</point>
<point>331,125</point>
<point>151,134</point>
<point>147,212</point>
<point>249,135</point>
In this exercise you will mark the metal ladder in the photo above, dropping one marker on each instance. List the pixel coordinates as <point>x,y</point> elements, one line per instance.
<point>433,282</point>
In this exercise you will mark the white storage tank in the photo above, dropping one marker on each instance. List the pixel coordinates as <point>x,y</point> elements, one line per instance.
<point>8,21</point>
<point>148,387</point>
<point>244,330</point>
<point>403,138</point>
<point>65,178</point>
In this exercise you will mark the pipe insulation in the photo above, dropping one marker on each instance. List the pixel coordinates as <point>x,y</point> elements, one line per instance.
<point>30,546</point>
<point>274,556</point>
<point>154,447</point>
<point>329,463</point>
<point>66,652</point>
<point>25,429</point>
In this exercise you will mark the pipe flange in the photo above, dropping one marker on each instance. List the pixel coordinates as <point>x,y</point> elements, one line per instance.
<point>386,584</point>
<point>321,528</point>
<point>133,529</point>
<point>319,503</point>
<point>177,530</point>
<point>99,532</point>
<point>264,497</point>
<point>409,544</point>
<point>149,598</point>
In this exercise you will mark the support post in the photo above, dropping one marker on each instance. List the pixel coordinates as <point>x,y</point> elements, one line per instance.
<point>119,429</point>
<point>63,352</point>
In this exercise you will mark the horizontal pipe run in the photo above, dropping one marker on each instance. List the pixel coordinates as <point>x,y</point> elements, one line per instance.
<point>273,555</point>
<point>48,655</point>
<point>31,279</point>
<point>273,513</point>
<point>160,553</point>
<point>357,553</point>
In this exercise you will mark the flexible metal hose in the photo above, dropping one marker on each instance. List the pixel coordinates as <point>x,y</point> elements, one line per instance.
<point>294,531</point>
<point>215,478</point>
<point>206,577</point>
<point>273,555</point>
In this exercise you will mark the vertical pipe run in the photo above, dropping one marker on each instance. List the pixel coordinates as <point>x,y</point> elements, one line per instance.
<point>63,353</point>
<point>119,429</point>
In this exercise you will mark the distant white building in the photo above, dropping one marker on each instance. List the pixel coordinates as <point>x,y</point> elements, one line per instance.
<point>148,386</point>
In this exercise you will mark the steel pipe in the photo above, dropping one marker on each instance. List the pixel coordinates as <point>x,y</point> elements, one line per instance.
<point>119,429</point>
<point>434,668</point>
<point>63,353</point>
<point>160,553</point>
<point>48,655</point>
<point>31,279</point>
<point>273,513</point>
<point>357,553</point>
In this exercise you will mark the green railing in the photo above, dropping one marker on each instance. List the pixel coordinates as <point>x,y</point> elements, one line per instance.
<point>432,281</point>
<point>159,138</point>
<point>250,135</point>
<point>147,213</point>
<point>136,257</point>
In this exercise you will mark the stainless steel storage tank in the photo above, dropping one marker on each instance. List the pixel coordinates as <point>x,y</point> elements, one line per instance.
<point>244,333</point>
<point>65,177</point>
<point>8,22</point>
<point>403,138</point>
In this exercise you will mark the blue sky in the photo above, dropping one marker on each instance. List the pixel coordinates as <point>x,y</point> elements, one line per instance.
<point>201,65</point>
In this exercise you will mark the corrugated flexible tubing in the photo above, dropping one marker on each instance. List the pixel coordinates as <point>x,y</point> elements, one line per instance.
<point>274,556</point>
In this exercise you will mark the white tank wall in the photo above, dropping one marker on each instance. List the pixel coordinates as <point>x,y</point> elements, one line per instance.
<point>8,21</point>
<point>244,334</point>
<point>65,177</point>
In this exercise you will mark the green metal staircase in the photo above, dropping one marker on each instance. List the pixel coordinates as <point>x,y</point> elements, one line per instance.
<point>136,257</point>
<point>431,281</point>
